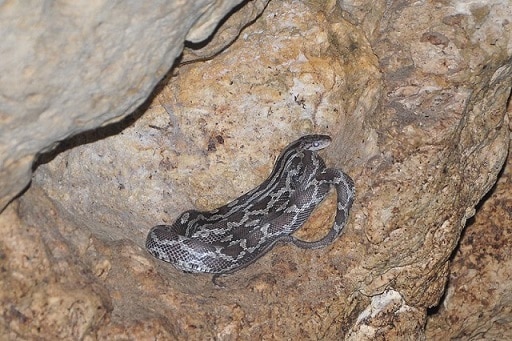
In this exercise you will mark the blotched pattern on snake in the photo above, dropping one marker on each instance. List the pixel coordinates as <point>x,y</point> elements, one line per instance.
<point>233,236</point>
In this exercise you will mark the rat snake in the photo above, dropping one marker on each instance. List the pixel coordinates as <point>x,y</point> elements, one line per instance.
<point>233,236</point>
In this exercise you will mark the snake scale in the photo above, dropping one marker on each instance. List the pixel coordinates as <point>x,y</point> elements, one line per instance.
<point>233,236</point>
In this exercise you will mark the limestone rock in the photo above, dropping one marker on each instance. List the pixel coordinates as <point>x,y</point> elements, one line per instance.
<point>414,96</point>
<point>46,291</point>
<point>388,317</point>
<point>477,299</point>
<point>226,33</point>
<point>70,66</point>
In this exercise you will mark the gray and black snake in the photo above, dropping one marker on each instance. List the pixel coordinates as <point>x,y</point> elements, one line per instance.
<point>233,236</point>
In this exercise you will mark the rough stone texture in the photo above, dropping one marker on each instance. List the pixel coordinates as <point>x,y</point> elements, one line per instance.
<point>414,96</point>
<point>388,317</point>
<point>227,32</point>
<point>45,291</point>
<point>478,299</point>
<point>71,66</point>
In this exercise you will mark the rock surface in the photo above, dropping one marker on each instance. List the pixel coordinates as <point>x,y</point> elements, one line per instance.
<point>477,302</point>
<point>414,96</point>
<point>70,66</point>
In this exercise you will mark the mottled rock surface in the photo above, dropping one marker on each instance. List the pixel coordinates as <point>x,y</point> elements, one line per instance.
<point>414,96</point>
<point>478,299</point>
<point>46,291</point>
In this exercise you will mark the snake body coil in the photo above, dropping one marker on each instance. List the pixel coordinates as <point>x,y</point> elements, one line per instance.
<point>233,236</point>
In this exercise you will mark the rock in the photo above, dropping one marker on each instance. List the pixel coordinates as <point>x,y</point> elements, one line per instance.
<point>477,298</point>
<point>46,291</point>
<point>414,96</point>
<point>226,33</point>
<point>74,66</point>
<point>388,315</point>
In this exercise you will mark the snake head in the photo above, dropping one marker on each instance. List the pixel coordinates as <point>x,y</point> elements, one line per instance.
<point>314,142</point>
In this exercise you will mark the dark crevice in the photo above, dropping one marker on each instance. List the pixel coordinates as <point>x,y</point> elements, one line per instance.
<point>93,135</point>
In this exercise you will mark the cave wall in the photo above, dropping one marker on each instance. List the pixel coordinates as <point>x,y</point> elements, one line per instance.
<point>414,96</point>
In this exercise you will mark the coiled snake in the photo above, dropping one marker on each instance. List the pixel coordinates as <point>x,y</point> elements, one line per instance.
<point>233,236</point>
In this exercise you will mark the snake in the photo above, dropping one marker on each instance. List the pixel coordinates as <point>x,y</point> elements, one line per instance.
<point>231,237</point>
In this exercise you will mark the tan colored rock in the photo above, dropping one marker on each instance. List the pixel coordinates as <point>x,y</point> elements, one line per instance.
<point>70,66</point>
<point>46,291</point>
<point>478,295</point>
<point>388,317</point>
<point>414,96</point>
